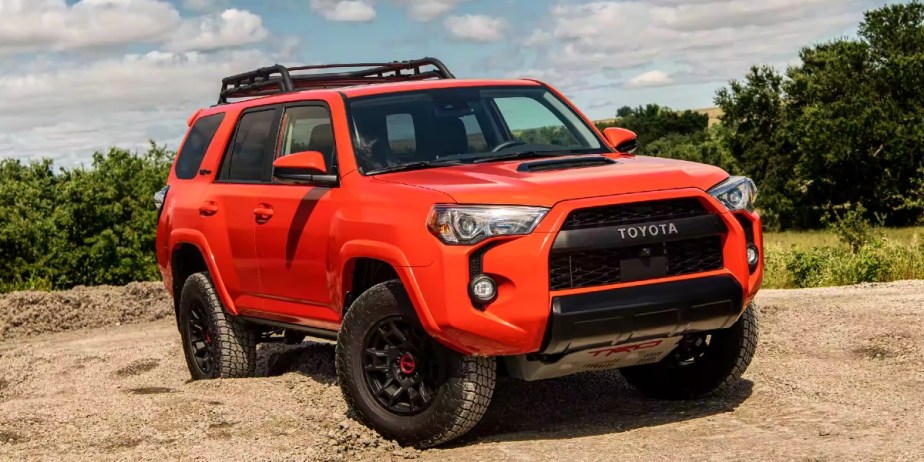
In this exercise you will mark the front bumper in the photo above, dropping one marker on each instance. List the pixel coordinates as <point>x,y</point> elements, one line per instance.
<point>522,320</point>
<point>659,310</point>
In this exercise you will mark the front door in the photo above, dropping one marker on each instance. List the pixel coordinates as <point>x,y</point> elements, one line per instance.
<point>293,236</point>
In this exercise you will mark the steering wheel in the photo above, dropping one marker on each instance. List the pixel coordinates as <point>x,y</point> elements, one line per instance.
<point>507,144</point>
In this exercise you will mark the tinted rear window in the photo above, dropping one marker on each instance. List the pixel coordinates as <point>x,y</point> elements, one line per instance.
<point>197,143</point>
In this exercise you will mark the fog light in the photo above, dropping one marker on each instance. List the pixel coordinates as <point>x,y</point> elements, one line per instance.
<point>753,255</point>
<point>483,289</point>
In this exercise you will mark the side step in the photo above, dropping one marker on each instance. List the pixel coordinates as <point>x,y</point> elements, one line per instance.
<point>311,331</point>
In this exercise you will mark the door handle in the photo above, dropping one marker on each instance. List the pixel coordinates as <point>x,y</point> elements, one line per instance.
<point>208,208</point>
<point>263,212</point>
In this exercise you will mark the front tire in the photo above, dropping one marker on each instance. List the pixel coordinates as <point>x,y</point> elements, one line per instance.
<point>702,364</point>
<point>216,344</point>
<point>400,381</point>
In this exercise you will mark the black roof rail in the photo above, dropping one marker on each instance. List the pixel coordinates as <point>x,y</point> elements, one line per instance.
<point>279,79</point>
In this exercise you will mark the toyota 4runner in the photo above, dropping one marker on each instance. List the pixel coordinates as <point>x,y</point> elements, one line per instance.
<point>444,232</point>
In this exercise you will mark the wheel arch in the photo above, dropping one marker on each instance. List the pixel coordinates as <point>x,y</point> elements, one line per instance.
<point>190,253</point>
<point>366,263</point>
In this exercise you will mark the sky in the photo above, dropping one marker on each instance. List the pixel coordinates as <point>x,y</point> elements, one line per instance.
<point>78,76</point>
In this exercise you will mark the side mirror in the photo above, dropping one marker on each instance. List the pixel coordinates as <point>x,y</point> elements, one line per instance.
<point>622,140</point>
<point>306,167</point>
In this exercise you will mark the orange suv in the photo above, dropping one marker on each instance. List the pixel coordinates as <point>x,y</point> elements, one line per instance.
<point>444,232</point>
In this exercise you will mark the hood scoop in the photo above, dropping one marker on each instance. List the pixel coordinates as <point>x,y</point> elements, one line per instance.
<point>564,164</point>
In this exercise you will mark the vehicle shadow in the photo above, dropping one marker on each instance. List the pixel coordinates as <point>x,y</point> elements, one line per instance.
<point>586,404</point>
<point>310,359</point>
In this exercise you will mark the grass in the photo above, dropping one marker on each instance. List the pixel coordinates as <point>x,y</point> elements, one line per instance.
<point>820,259</point>
<point>805,240</point>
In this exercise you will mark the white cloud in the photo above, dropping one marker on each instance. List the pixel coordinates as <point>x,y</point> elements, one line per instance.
<point>53,25</point>
<point>475,28</point>
<point>709,40</point>
<point>30,26</point>
<point>345,10</point>
<point>58,109</point>
<point>364,10</point>
<point>428,10</point>
<point>650,79</point>
<point>204,5</point>
<point>231,28</point>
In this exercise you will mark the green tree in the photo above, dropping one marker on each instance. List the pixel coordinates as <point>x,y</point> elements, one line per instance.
<point>85,225</point>
<point>756,137</point>
<point>707,147</point>
<point>107,217</point>
<point>652,122</point>
<point>845,126</point>
<point>28,236</point>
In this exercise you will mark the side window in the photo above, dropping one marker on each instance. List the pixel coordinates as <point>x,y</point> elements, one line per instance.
<point>196,144</point>
<point>402,135</point>
<point>533,123</point>
<point>245,159</point>
<point>307,128</point>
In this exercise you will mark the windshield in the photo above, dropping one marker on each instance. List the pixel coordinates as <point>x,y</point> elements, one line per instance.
<point>427,128</point>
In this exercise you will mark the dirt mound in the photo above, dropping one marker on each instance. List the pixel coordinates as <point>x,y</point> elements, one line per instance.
<point>30,313</point>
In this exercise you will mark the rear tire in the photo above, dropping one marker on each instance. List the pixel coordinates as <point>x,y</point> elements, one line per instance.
<point>216,344</point>
<point>400,381</point>
<point>697,368</point>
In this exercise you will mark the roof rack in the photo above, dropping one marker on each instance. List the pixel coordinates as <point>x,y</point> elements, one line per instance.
<point>279,79</point>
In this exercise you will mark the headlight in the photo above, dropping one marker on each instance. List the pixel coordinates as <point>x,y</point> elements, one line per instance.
<point>466,224</point>
<point>736,193</point>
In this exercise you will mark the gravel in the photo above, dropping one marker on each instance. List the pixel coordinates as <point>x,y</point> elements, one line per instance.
<point>838,375</point>
<point>30,313</point>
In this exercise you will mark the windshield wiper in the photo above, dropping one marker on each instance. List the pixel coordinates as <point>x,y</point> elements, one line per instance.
<point>414,166</point>
<point>518,155</point>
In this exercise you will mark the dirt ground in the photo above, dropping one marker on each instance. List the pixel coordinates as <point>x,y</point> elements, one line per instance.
<point>839,375</point>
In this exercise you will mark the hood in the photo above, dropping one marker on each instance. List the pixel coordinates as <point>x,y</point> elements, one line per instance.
<point>504,183</point>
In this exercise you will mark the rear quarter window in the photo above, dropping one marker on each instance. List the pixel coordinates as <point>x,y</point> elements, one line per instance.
<point>197,143</point>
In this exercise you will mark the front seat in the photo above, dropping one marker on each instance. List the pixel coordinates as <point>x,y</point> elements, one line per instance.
<point>449,137</point>
<point>322,140</point>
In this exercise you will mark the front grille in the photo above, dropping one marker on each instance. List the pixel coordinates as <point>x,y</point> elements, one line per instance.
<point>694,255</point>
<point>574,270</point>
<point>639,212</point>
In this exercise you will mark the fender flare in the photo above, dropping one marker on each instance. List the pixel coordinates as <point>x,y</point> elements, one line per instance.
<point>392,255</point>
<point>197,239</point>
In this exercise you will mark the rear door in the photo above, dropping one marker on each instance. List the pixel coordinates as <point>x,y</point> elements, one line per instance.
<point>228,207</point>
<point>293,239</point>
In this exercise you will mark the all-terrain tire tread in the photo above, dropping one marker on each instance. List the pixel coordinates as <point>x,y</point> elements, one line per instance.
<point>477,382</point>
<point>749,346</point>
<point>237,340</point>
<point>665,383</point>
<point>478,386</point>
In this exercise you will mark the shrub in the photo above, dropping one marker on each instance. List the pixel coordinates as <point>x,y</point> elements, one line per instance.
<point>80,226</point>
<point>850,225</point>
<point>878,260</point>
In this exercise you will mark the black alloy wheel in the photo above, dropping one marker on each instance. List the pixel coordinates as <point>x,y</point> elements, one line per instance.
<point>400,381</point>
<point>201,339</point>
<point>401,366</point>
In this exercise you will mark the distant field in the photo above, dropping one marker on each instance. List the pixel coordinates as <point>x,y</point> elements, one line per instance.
<point>713,112</point>
<point>803,240</point>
